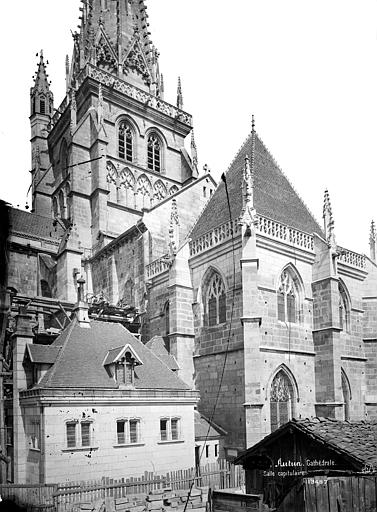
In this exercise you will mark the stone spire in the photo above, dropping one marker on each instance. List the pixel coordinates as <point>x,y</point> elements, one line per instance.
<point>194,152</point>
<point>179,94</point>
<point>328,221</point>
<point>40,94</point>
<point>114,36</point>
<point>372,241</point>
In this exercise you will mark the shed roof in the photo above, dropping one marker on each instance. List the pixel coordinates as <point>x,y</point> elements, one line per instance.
<point>204,428</point>
<point>356,440</point>
<point>34,225</point>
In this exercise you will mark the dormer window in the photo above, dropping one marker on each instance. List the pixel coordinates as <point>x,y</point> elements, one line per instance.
<point>121,363</point>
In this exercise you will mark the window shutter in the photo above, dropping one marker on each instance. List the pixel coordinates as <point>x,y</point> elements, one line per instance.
<point>85,434</point>
<point>281,307</point>
<point>133,431</point>
<point>121,432</point>
<point>212,311</point>
<point>71,435</point>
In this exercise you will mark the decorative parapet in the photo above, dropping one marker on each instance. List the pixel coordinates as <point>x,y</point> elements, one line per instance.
<point>286,234</point>
<point>215,237</point>
<point>110,80</point>
<point>351,258</point>
<point>157,267</point>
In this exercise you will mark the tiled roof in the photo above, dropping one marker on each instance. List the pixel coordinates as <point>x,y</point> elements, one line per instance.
<point>358,439</point>
<point>34,225</point>
<point>274,196</point>
<point>158,347</point>
<point>204,428</point>
<point>43,354</point>
<point>80,361</point>
<point>355,439</point>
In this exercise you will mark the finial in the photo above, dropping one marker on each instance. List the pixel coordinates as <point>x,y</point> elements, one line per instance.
<point>372,241</point>
<point>179,94</point>
<point>206,169</point>
<point>252,123</point>
<point>41,54</point>
<point>328,220</point>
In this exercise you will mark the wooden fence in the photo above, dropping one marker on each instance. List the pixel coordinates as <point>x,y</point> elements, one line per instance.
<point>30,496</point>
<point>219,475</point>
<point>61,497</point>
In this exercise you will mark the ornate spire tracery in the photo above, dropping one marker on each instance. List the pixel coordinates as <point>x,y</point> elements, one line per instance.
<point>114,35</point>
<point>328,221</point>
<point>248,214</point>
<point>40,94</point>
<point>372,240</point>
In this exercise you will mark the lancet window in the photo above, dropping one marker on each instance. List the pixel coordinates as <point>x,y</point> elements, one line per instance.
<point>281,400</point>
<point>154,153</point>
<point>216,301</point>
<point>344,309</point>
<point>346,390</point>
<point>125,142</point>
<point>287,298</point>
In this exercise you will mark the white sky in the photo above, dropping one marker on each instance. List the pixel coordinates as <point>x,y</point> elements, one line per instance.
<point>307,69</point>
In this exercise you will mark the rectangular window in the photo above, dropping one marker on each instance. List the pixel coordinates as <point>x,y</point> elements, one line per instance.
<point>85,434</point>
<point>71,435</point>
<point>216,450</point>
<point>121,432</point>
<point>35,435</point>
<point>175,429</point>
<point>207,451</point>
<point>164,430</point>
<point>134,438</point>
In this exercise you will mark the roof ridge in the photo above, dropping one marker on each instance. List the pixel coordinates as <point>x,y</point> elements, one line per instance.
<point>289,181</point>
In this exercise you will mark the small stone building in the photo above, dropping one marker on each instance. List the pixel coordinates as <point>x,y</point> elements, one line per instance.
<point>96,402</point>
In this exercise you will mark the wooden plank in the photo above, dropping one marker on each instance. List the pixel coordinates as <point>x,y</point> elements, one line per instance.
<point>310,496</point>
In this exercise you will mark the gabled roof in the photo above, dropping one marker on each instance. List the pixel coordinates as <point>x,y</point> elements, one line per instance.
<point>356,440</point>
<point>158,347</point>
<point>274,196</point>
<point>116,354</point>
<point>43,354</point>
<point>80,360</point>
<point>204,428</point>
<point>34,225</point>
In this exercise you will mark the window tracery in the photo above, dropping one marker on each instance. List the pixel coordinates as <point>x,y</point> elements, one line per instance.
<point>154,153</point>
<point>216,301</point>
<point>281,400</point>
<point>125,142</point>
<point>287,298</point>
<point>160,191</point>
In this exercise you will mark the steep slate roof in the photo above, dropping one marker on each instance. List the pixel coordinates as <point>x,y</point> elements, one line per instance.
<point>80,361</point>
<point>34,225</point>
<point>274,196</point>
<point>204,428</point>
<point>158,347</point>
<point>357,439</point>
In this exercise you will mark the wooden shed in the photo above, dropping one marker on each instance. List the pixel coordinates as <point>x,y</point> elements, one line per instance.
<point>315,465</point>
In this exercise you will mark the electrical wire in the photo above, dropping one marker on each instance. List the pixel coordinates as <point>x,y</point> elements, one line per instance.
<point>223,177</point>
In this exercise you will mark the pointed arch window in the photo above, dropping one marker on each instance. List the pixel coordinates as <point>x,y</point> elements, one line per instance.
<point>42,105</point>
<point>344,309</point>
<point>281,400</point>
<point>288,298</point>
<point>125,142</point>
<point>154,153</point>
<point>216,301</point>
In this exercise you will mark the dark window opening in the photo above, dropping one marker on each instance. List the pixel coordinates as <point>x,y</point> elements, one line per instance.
<point>154,154</point>
<point>125,148</point>
<point>121,432</point>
